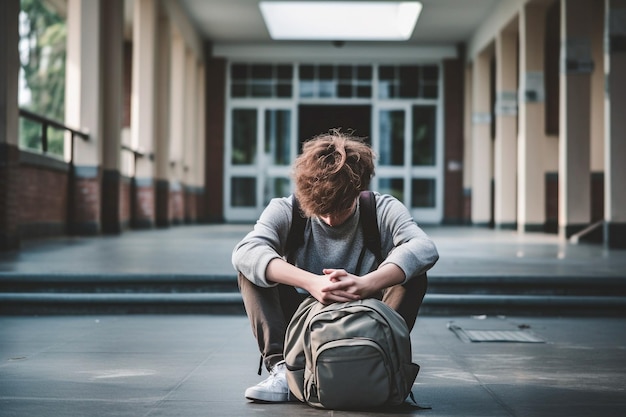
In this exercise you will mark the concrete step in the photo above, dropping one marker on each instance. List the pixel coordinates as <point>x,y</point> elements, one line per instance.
<point>447,295</point>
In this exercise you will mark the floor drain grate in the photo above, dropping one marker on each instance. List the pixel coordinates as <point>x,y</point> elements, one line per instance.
<point>514,336</point>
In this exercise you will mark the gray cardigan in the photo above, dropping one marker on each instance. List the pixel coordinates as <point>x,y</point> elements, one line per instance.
<point>403,242</point>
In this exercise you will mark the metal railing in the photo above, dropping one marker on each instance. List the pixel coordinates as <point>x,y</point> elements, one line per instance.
<point>45,123</point>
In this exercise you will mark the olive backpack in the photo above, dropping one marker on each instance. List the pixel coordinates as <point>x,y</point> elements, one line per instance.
<point>349,355</point>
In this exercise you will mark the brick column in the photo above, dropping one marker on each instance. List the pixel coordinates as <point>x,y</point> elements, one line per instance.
<point>9,154</point>
<point>615,128</point>
<point>505,148</point>
<point>162,145</point>
<point>574,120</point>
<point>214,152</point>
<point>83,110</point>
<point>453,77</point>
<point>112,62</point>
<point>143,111</point>
<point>482,148</point>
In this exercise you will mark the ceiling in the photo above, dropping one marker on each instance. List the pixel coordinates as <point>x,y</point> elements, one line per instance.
<point>442,22</point>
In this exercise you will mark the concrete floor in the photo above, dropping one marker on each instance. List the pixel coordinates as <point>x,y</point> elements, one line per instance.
<point>206,250</point>
<point>200,365</point>
<point>195,365</point>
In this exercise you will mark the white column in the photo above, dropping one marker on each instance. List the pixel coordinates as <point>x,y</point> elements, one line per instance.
<point>190,137</point>
<point>177,105</point>
<point>467,143</point>
<point>201,127</point>
<point>531,202</point>
<point>615,127</point>
<point>144,86</point>
<point>83,109</point>
<point>163,109</point>
<point>82,81</point>
<point>505,148</point>
<point>482,160</point>
<point>574,118</point>
<point>9,71</point>
<point>162,134</point>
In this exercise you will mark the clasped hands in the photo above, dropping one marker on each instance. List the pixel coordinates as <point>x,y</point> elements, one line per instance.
<point>337,286</point>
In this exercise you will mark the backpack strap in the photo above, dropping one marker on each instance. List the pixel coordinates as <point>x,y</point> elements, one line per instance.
<point>295,238</point>
<point>369,223</point>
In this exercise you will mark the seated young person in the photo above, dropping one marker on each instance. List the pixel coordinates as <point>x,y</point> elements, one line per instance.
<point>329,175</point>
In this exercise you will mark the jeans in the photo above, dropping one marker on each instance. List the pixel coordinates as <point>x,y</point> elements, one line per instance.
<point>270,310</point>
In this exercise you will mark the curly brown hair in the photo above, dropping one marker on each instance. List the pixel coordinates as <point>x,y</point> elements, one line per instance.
<point>331,172</point>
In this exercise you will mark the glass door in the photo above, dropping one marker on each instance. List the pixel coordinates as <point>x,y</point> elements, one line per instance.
<point>258,159</point>
<point>408,168</point>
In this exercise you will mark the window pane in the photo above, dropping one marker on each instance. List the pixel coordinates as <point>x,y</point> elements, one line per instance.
<point>238,72</point>
<point>244,137</point>
<point>56,141</point>
<point>392,186</point>
<point>238,90</point>
<point>261,72</point>
<point>278,136</point>
<point>276,187</point>
<point>386,89</point>
<point>423,193</point>
<point>261,80</point>
<point>326,72</point>
<point>307,88</point>
<point>344,90</point>
<point>363,91</point>
<point>424,135</point>
<point>409,81</point>
<point>284,72</point>
<point>283,90</point>
<point>344,72</point>
<point>430,73</point>
<point>262,89</point>
<point>386,73</point>
<point>243,192</point>
<point>307,72</point>
<point>327,89</point>
<point>430,91</point>
<point>364,72</point>
<point>30,134</point>
<point>391,137</point>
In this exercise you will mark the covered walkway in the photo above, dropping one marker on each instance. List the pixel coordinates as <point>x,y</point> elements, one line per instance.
<point>187,269</point>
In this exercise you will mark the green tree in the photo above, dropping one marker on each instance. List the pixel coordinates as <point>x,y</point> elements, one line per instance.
<point>43,37</point>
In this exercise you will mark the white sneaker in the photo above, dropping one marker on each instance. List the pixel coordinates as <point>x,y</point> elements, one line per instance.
<point>273,389</point>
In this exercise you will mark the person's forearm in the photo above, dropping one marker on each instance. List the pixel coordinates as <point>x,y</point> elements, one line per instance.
<point>282,272</point>
<point>386,276</point>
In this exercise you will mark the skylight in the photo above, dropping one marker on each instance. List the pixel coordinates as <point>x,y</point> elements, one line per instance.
<point>340,20</point>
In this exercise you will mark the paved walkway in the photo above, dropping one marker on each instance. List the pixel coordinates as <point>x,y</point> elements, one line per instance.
<point>200,365</point>
<point>206,250</point>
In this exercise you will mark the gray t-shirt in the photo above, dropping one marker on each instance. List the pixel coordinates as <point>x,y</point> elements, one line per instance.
<point>403,242</point>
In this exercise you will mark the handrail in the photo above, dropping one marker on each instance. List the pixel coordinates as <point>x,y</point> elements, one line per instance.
<point>45,122</point>
<point>136,152</point>
<point>71,186</point>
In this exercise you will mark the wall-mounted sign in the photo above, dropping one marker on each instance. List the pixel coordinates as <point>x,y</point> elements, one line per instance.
<point>506,103</point>
<point>480,118</point>
<point>576,56</point>
<point>534,88</point>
